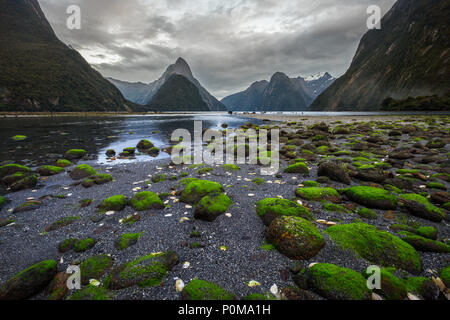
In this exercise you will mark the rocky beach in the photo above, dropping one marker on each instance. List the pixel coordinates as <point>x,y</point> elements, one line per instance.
<point>352,192</point>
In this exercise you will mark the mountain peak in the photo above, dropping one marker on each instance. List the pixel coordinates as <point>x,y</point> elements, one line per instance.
<point>181,61</point>
<point>279,76</point>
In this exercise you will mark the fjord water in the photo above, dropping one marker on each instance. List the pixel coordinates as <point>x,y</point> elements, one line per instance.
<point>48,138</point>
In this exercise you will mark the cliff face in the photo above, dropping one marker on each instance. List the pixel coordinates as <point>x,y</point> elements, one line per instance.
<point>40,73</point>
<point>409,56</point>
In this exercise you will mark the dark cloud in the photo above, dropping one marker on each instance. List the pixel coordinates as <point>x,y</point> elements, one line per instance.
<point>229,44</point>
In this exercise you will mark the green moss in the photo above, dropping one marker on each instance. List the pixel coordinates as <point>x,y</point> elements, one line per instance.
<point>203,290</point>
<point>94,267</point>
<point>317,194</point>
<point>58,224</point>
<point>82,171</point>
<point>331,207</point>
<point>75,154</point>
<point>63,163</point>
<point>114,203</point>
<point>10,169</point>
<point>393,189</point>
<point>426,245</point>
<point>445,276</point>
<point>212,205</point>
<point>147,271</point>
<point>259,181</point>
<point>323,150</point>
<point>376,246</point>
<point>2,201</point>
<point>92,293</point>
<point>154,152</point>
<point>417,285</point>
<point>310,184</point>
<point>436,185</point>
<point>49,170</point>
<point>145,145</point>
<point>205,170</point>
<point>392,287</point>
<point>423,201</point>
<point>427,232</point>
<point>127,240</point>
<point>197,189</point>
<point>66,245</point>
<point>159,177</point>
<point>19,138</point>
<point>268,247</point>
<point>299,167</point>
<point>97,179</point>
<point>259,297</point>
<point>372,197</point>
<point>146,200</point>
<point>367,213</point>
<point>130,150</point>
<point>271,208</point>
<point>83,245</point>
<point>407,171</point>
<point>333,282</point>
<point>231,167</point>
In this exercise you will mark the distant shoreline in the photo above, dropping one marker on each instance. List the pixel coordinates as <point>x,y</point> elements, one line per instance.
<point>288,116</point>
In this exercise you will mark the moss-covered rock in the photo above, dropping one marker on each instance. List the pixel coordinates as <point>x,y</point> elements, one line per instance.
<point>376,246</point>
<point>92,293</point>
<point>297,238</point>
<point>146,200</point>
<point>75,154</point>
<point>423,287</point>
<point>110,153</point>
<point>82,171</point>
<point>366,213</point>
<point>426,232</point>
<point>95,267</point>
<point>29,282</point>
<point>231,167</point>
<point>27,181</point>
<point>129,151</point>
<point>97,179</point>
<point>426,245</point>
<point>159,177</point>
<point>57,289</point>
<point>153,152</point>
<point>2,202</point>
<point>419,206</point>
<point>144,145</point>
<point>299,167</point>
<point>197,189</point>
<point>147,271</point>
<point>371,197</point>
<point>392,287</point>
<point>49,170</point>
<point>334,171</point>
<point>127,240</point>
<point>319,194</point>
<point>271,208</point>
<point>336,283</point>
<point>63,163</point>
<point>212,206</point>
<point>445,276</point>
<point>83,245</point>
<point>10,169</point>
<point>204,290</point>
<point>19,137</point>
<point>114,203</point>
<point>66,245</point>
<point>61,223</point>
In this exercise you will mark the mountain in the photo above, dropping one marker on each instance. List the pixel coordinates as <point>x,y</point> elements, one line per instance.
<point>143,93</point>
<point>318,83</point>
<point>40,73</point>
<point>409,56</point>
<point>178,94</point>
<point>248,100</point>
<point>280,94</point>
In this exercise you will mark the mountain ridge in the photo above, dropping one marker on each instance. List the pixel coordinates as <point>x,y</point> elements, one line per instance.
<point>40,73</point>
<point>409,56</point>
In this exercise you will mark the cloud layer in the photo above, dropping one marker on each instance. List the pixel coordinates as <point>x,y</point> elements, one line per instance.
<point>228,43</point>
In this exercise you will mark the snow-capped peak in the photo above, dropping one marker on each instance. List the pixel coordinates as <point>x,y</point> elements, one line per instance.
<point>316,76</point>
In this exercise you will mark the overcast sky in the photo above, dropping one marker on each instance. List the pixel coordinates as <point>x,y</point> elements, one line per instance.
<point>229,44</point>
